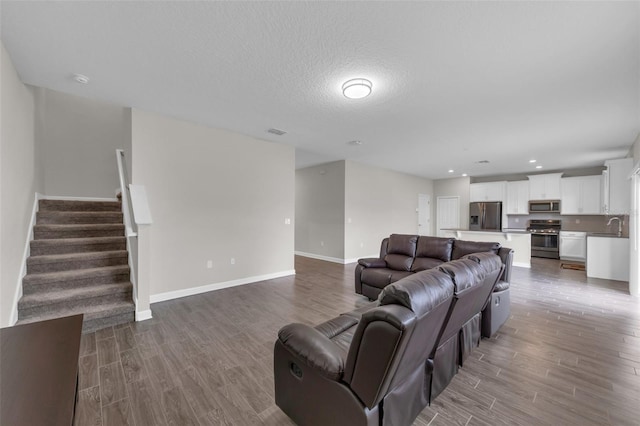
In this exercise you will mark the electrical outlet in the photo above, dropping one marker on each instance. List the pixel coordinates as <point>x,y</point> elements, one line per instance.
<point>321,243</point>
<point>233,260</point>
<point>209,264</point>
<point>287,221</point>
<point>577,220</point>
<point>349,220</point>
<point>361,245</point>
<point>517,220</point>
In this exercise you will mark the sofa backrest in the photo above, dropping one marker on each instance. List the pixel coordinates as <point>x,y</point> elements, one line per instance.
<point>468,279</point>
<point>493,267</point>
<point>394,340</point>
<point>401,250</point>
<point>462,248</point>
<point>431,251</point>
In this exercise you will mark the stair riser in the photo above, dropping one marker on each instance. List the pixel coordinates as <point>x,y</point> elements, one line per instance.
<point>41,250</point>
<point>28,312</point>
<point>75,264</point>
<point>89,326</point>
<point>79,206</point>
<point>71,233</point>
<point>60,218</point>
<point>30,288</point>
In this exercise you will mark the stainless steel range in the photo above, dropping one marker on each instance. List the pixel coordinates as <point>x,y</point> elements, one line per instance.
<point>545,238</point>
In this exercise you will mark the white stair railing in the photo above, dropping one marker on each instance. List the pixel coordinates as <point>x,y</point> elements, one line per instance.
<point>135,210</point>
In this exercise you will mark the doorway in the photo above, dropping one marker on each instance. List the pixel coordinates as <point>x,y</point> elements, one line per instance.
<point>424,214</point>
<point>448,213</point>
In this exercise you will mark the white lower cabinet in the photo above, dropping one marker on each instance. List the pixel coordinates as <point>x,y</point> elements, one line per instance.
<point>573,245</point>
<point>608,258</point>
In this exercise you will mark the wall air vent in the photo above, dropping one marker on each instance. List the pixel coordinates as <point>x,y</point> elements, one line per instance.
<point>276,132</point>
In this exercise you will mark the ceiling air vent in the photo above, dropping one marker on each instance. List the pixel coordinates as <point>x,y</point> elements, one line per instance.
<point>276,132</point>
<point>483,162</point>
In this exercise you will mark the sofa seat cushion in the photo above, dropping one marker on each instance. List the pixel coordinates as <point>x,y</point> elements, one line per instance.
<point>424,263</point>
<point>382,277</point>
<point>462,248</point>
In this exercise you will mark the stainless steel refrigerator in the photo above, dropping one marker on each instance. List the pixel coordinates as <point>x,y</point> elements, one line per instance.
<point>485,216</point>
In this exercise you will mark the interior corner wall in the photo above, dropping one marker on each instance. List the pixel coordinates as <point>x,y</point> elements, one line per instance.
<point>213,195</point>
<point>320,205</point>
<point>78,138</point>
<point>379,202</point>
<point>452,187</point>
<point>20,179</point>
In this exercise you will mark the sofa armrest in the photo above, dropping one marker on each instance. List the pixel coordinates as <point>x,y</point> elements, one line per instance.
<point>314,348</point>
<point>372,262</point>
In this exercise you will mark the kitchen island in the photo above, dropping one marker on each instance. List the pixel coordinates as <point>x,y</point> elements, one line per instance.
<point>517,239</point>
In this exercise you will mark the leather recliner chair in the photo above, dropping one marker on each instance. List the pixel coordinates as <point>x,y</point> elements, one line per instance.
<point>370,368</point>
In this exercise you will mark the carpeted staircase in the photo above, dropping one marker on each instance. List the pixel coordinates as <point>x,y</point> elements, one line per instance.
<point>78,264</point>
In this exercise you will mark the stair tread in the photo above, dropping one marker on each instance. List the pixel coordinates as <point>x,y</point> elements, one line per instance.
<point>79,205</point>
<point>56,296</point>
<point>85,255</point>
<point>90,312</point>
<point>80,240</point>
<point>78,226</point>
<point>74,274</point>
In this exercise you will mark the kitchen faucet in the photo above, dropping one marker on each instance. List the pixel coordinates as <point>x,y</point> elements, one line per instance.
<point>619,224</point>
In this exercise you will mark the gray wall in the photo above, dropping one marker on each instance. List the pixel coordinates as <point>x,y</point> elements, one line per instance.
<point>320,209</point>
<point>379,202</point>
<point>213,195</point>
<point>79,137</point>
<point>20,179</point>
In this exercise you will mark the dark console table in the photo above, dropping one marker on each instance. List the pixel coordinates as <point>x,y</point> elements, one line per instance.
<point>39,372</point>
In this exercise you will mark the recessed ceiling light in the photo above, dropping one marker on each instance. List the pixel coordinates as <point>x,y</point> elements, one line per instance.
<point>538,167</point>
<point>465,175</point>
<point>276,131</point>
<point>354,143</point>
<point>357,88</point>
<point>79,78</point>
<point>532,161</point>
<point>450,170</point>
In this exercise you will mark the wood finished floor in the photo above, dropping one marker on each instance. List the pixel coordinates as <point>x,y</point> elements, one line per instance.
<point>569,355</point>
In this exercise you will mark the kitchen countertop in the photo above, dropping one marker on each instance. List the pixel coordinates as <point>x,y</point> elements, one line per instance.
<point>489,231</point>
<point>605,235</point>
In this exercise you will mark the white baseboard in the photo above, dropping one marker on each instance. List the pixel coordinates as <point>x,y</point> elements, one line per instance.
<point>65,198</point>
<point>331,259</point>
<point>161,297</point>
<point>522,264</point>
<point>25,255</point>
<point>143,315</point>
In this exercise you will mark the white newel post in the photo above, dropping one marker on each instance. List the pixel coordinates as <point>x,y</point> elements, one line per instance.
<point>143,309</point>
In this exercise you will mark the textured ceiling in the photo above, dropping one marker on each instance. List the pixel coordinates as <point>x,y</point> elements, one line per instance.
<point>453,82</point>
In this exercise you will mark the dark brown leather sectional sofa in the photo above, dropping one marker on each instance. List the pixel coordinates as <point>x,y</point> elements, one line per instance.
<point>402,255</point>
<point>384,362</point>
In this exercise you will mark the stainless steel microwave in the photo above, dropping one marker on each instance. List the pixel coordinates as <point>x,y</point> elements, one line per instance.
<point>544,206</point>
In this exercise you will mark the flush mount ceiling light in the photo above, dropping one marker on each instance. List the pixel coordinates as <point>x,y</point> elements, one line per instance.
<point>357,88</point>
<point>79,78</point>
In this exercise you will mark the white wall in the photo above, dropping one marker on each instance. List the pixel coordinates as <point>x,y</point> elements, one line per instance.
<point>453,187</point>
<point>320,210</point>
<point>79,137</point>
<point>379,202</point>
<point>19,179</point>
<point>213,195</point>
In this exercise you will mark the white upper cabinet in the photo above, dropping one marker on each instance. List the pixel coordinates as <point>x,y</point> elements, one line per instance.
<point>581,195</point>
<point>487,191</point>
<point>617,186</point>
<point>544,187</point>
<point>518,197</point>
